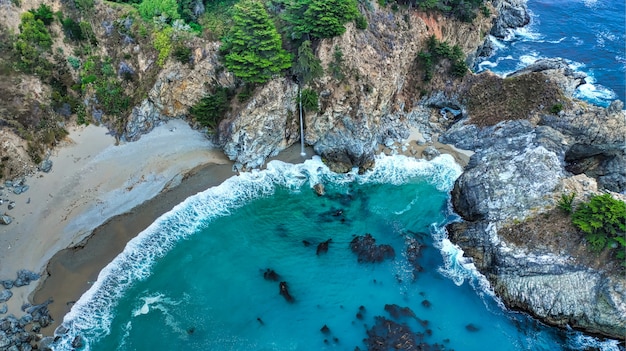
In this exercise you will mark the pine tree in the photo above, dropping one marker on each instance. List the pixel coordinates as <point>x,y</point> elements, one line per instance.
<point>307,66</point>
<point>252,47</point>
<point>320,18</point>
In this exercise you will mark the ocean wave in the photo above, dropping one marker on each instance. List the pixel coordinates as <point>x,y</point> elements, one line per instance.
<point>92,315</point>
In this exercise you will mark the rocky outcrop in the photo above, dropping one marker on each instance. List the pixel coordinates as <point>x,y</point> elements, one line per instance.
<point>517,174</point>
<point>511,14</point>
<point>558,70</point>
<point>177,88</point>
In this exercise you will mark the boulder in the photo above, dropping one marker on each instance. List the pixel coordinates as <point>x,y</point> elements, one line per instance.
<point>5,295</point>
<point>45,166</point>
<point>5,219</point>
<point>24,277</point>
<point>511,14</point>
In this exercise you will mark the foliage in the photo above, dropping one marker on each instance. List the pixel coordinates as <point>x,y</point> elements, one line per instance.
<point>182,53</point>
<point>32,42</point>
<point>162,42</point>
<point>319,18</point>
<point>217,18</point>
<point>335,67</point>
<point>190,10</point>
<point>360,22</point>
<point>437,51</point>
<point>72,29</point>
<point>603,219</point>
<point>307,67</point>
<point>153,8</point>
<point>464,10</point>
<point>556,108</point>
<point>566,201</point>
<point>43,13</point>
<point>99,75</point>
<point>253,48</point>
<point>211,108</point>
<point>309,100</point>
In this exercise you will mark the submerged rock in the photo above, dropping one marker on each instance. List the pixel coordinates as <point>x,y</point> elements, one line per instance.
<point>367,251</point>
<point>6,219</point>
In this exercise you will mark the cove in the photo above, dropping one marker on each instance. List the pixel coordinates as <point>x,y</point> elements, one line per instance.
<point>202,276</point>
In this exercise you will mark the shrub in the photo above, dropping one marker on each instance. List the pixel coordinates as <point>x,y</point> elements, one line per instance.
<point>565,203</point>
<point>603,219</point>
<point>182,54</point>
<point>335,67</point>
<point>361,22</point>
<point>153,8</point>
<point>163,44</point>
<point>74,62</point>
<point>556,108</point>
<point>211,109</point>
<point>309,100</point>
<point>44,14</point>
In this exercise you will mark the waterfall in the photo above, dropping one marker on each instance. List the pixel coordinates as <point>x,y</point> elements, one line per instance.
<point>302,153</point>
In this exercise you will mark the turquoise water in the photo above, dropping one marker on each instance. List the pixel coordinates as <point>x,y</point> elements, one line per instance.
<point>194,280</point>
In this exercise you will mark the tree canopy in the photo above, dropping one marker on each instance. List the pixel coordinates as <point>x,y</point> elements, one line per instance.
<point>253,48</point>
<point>319,18</point>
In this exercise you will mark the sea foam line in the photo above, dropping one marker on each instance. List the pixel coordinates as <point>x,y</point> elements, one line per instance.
<point>92,315</point>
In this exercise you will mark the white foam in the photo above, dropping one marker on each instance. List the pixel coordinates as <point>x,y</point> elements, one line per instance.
<point>579,341</point>
<point>91,316</point>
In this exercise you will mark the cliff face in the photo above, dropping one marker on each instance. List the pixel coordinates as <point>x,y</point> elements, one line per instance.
<point>371,105</point>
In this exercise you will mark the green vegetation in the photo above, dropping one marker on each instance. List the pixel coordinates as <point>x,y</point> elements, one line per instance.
<point>336,66</point>
<point>210,110</point>
<point>464,10</point>
<point>307,66</point>
<point>99,75</point>
<point>309,100</point>
<point>182,53</point>
<point>162,42</point>
<point>556,108</point>
<point>565,203</point>
<point>603,220</point>
<point>253,48</point>
<point>44,14</point>
<point>32,43</point>
<point>153,8</point>
<point>438,51</point>
<point>319,18</point>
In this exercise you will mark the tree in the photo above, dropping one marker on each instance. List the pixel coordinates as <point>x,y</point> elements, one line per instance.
<point>603,219</point>
<point>33,40</point>
<point>253,48</point>
<point>307,66</point>
<point>320,18</point>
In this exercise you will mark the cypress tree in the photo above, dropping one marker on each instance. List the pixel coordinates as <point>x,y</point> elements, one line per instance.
<point>253,48</point>
<point>307,66</point>
<point>320,18</point>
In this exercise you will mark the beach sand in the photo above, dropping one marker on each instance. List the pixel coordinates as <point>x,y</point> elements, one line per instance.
<point>92,180</point>
<point>99,196</point>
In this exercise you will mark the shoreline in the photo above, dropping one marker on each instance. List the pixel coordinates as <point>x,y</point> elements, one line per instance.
<point>70,270</point>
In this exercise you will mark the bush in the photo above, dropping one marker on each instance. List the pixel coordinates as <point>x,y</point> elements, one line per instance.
<point>556,108</point>
<point>44,14</point>
<point>603,219</point>
<point>182,54</point>
<point>309,100</point>
<point>566,201</point>
<point>335,67</point>
<point>361,22</point>
<point>163,44</point>
<point>210,110</point>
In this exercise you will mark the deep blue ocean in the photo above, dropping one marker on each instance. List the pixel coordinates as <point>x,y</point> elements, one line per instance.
<point>589,34</point>
<point>195,279</point>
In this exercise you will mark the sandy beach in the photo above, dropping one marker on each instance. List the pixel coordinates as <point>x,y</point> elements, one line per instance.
<point>100,195</point>
<point>92,180</point>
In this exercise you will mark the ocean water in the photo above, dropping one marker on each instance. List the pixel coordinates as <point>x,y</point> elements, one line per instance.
<point>194,280</point>
<point>589,34</point>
